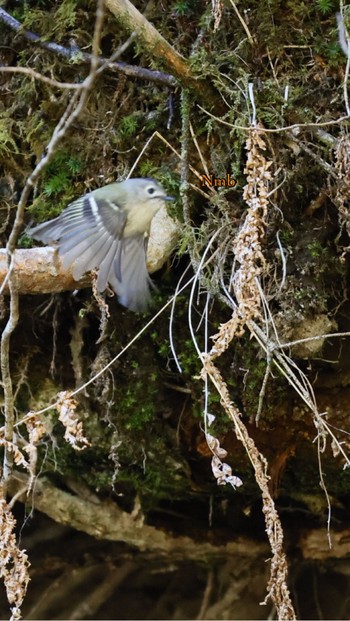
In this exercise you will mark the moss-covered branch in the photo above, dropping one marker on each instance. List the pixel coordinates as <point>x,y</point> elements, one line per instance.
<point>162,52</point>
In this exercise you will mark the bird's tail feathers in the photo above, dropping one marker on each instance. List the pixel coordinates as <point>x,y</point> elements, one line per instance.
<point>130,278</point>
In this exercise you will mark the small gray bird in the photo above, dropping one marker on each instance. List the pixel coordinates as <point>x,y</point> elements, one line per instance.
<point>107,230</point>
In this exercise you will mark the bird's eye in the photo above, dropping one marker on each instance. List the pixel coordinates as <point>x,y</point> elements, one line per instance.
<point>150,190</point>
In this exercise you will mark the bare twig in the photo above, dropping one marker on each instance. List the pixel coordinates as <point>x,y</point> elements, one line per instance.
<point>157,134</point>
<point>206,596</point>
<point>276,130</point>
<point>9,409</point>
<point>38,76</point>
<point>185,144</point>
<point>68,85</point>
<point>245,27</point>
<point>330,170</point>
<point>204,164</point>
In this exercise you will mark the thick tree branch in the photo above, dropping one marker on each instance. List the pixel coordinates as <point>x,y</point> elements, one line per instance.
<point>39,270</point>
<point>104,520</point>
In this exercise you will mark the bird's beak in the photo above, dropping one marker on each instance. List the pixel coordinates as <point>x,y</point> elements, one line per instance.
<point>169,198</point>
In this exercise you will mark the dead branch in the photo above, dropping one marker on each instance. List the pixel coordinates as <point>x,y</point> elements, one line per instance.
<point>75,53</point>
<point>104,520</point>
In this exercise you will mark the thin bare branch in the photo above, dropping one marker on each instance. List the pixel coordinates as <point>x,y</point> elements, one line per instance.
<point>245,27</point>
<point>277,130</point>
<point>38,76</point>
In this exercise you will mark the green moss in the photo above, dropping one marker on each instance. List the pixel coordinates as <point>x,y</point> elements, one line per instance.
<point>184,8</point>
<point>188,358</point>
<point>33,18</point>
<point>326,6</point>
<point>137,407</point>
<point>90,466</point>
<point>128,125</point>
<point>7,142</point>
<point>58,181</point>
<point>316,250</point>
<point>147,168</point>
<point>56,22</point>
<point>159,474</point>
<point>65,16</point>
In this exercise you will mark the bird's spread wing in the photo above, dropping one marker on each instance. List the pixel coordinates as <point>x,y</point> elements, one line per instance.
<point>89,235</point>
